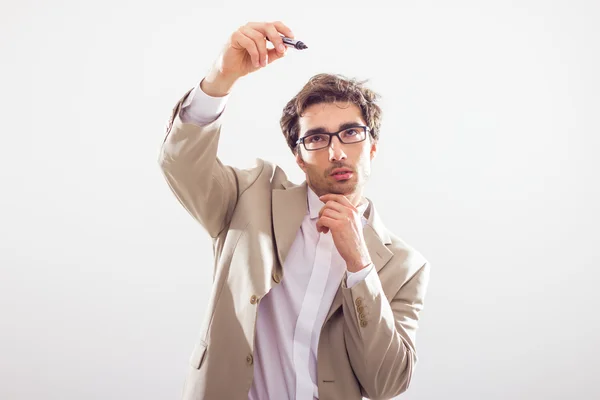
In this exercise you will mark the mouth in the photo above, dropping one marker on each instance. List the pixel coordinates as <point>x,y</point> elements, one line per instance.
<point>341,174</point>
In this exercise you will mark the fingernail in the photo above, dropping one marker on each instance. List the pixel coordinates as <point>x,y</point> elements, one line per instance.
<point>281,48</point>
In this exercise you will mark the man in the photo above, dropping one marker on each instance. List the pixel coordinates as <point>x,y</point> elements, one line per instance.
<point>312,296</point>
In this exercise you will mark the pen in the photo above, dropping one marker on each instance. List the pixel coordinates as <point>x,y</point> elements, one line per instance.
<point>297,44</point>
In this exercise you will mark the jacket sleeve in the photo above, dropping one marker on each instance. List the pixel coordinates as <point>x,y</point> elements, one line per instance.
<point>381,335</point>
<point>206,188</point>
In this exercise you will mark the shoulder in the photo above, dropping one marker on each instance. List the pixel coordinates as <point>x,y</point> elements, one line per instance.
<point>407,268</point>
<point>406,255</point>
<point>405,260</point>
<point>264,173</point>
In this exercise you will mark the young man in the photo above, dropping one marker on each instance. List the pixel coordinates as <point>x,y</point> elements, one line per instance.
<point>312,296</point>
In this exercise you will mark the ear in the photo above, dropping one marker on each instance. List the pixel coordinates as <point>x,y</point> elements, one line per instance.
<point>373,149</point>
<point>299,160</point>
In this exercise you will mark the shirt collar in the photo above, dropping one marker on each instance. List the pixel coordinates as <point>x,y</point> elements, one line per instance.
<point>315,204</point>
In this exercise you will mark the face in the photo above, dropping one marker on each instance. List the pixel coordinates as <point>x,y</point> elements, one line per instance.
<point>318,165</point>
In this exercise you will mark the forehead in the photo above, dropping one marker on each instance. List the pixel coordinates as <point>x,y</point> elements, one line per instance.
<point>330,116</point>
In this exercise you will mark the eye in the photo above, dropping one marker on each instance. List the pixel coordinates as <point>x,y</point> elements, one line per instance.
<point>351,132</point>
<point>316,138</point>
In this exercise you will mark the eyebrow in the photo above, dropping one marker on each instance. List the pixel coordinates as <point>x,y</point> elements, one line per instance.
<point>323,130</point>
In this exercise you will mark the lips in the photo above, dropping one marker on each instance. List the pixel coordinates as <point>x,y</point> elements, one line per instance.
<point>341,174</point>
<point>339,171</point>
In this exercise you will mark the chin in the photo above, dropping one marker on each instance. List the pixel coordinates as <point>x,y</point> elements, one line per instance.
<point>345,187</point>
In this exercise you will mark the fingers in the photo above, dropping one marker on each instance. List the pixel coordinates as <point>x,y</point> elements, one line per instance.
<point>252,38</point>
<point>337,206</point>
<point>259,41</point>
<point>333,214</point>
<point>275,38</point>
<point>248,44</point>
<point>339,199</point>
<point>273,54</point>
<point>329,218</point>
<point>322,229</point>
<point>334,207</point>
<point>283,29</point>
<point>273,31</point>
<point>324,224</point>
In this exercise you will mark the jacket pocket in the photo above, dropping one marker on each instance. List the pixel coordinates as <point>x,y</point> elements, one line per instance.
<point>198,354</point>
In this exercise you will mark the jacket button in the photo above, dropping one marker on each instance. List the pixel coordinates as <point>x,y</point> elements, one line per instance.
<point>363,323</point>
<point>359,301</point>
<point>253,299</point>
<point>276,277</point>
<point>360,309</point>
<point>249,359</point>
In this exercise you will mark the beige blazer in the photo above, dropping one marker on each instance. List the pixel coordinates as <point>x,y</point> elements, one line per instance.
<point>367,343</point>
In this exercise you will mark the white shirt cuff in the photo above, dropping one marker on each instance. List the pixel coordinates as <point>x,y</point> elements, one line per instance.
<point>352,278</point>
<point>200,108</point>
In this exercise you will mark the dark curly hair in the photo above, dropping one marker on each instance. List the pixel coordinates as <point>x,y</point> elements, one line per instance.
<point>329,88</point>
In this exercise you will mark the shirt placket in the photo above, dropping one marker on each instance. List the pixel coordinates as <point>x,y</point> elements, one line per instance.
<point>308,314</point>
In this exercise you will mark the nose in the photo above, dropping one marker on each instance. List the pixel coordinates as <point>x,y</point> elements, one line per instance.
<point>336,153</point>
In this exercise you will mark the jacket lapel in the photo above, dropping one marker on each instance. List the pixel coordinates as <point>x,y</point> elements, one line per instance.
<point>376,238</point>
<point>289,208</point>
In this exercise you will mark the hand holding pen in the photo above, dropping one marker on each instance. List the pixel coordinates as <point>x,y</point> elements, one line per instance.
<point>246,51</point>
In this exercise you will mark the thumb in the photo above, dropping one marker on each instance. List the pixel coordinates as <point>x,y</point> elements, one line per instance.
<point>273,54</point>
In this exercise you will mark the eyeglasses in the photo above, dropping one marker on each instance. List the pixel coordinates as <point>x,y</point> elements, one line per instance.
<point>318,141</point>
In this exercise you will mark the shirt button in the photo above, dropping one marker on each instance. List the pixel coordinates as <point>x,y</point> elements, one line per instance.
<point>360,309</point>
<point>253,299</point>
<point>276,277</point>
<point>363,323</point>
<point>359,301</point>
<point>249,359</point>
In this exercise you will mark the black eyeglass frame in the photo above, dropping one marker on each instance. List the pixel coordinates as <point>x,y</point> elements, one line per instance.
<point>331,135</point>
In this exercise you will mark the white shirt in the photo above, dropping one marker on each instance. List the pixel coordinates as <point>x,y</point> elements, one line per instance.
<point>291,315</point>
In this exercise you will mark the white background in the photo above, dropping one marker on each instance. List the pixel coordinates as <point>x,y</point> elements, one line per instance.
<point>487,165</point>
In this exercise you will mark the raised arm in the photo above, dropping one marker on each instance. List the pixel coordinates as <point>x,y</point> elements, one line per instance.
<point>205,187</point>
